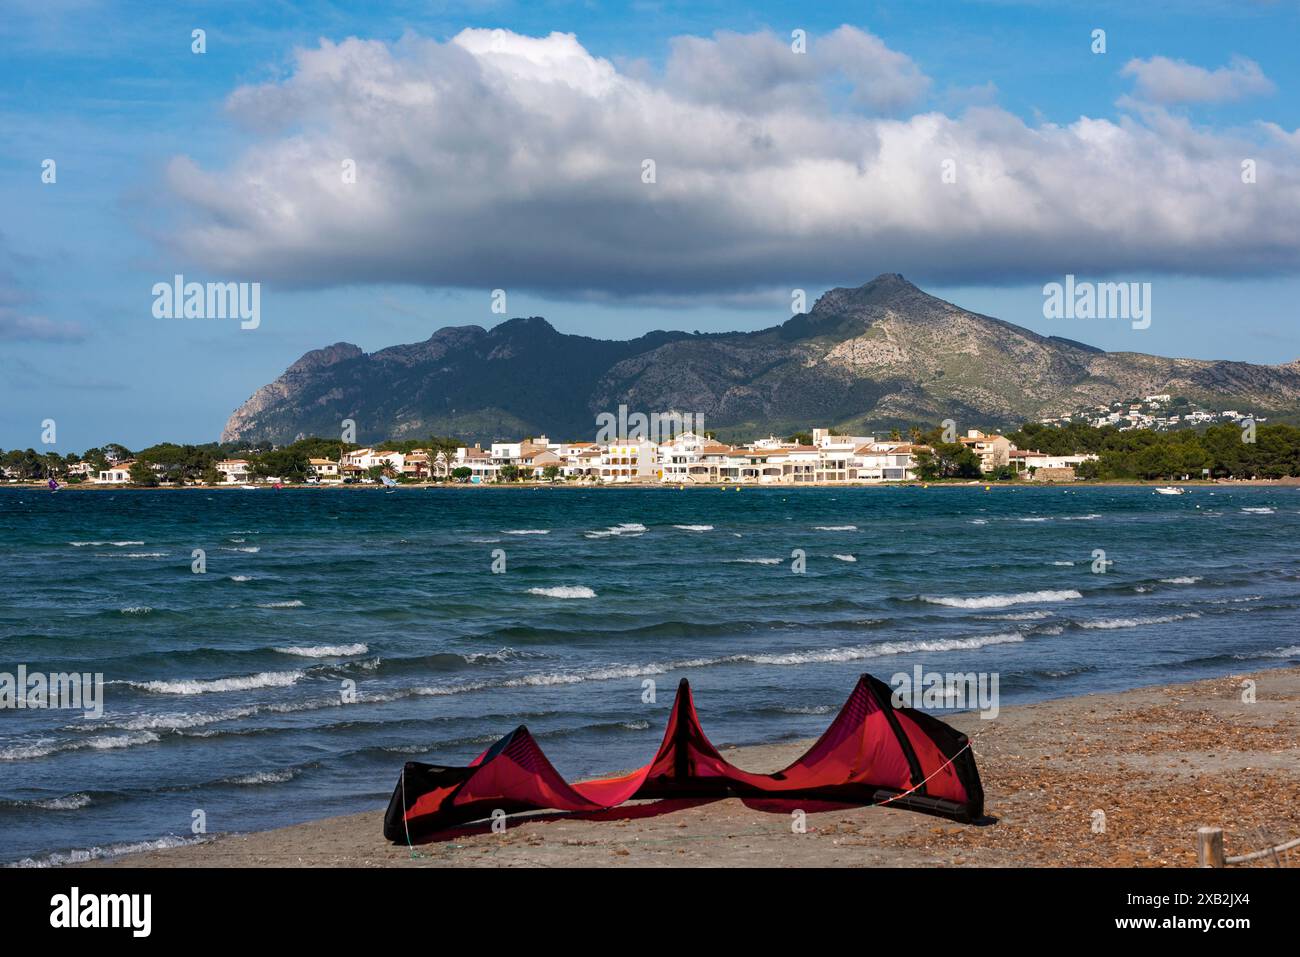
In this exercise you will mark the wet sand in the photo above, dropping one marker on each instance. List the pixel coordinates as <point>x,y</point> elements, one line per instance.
<point>1158,762</point>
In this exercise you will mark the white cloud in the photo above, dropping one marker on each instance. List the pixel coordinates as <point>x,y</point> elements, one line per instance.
<point>1162,80</point>
<point>760,72</point>
<point>496,160</point>
<point>19,327</point>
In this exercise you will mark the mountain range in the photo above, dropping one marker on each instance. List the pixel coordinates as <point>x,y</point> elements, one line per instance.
<point>863,359</point>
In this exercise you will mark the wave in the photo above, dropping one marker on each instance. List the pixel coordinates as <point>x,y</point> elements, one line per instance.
<point>136,610</point>
<point>47,746</point>
<point>183,720</point>
<point>881,650</point>
<point>114,544</point>
<point>804,709</point>
<point>626,528</point>
<point>1108,623</point>
<point>526,531</point>
<point>845,558</point>
<point>755,561</point>
<point>835,528</point>
<point>1035,519</point>
<point>505,654</point>
<point>250,549</point>
<point>266,679</point>
<point>264,777</point>
<point>1081,518</point>
<point>1258,510</point>
<point>69,802</point>
<point>324,651</point>
<point>1018,616</point>
<point>241,578</point>
<point>564,591</point>
<point>1292,651</point>
<point>81,856</point>
<point>1003,601</point>
<point>695,528</point>
<point>291,603</point>
<point>440,661</point>
<point>1182,580</point>
<point>1061,563</point>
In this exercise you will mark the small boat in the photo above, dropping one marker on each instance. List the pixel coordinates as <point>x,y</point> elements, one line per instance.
<point>250,488</point>
<point>1170,490</point>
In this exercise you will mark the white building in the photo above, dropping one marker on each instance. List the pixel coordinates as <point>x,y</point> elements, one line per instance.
<point>234,471</point>
<point>325,470</point>
<point>629,460</point>
<point>117,474</point>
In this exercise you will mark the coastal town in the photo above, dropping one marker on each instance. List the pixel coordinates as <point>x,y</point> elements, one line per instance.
<point>819,457</point>
<point>1160,413</point>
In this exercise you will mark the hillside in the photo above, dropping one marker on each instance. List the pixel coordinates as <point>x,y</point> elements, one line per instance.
<point>882,354</point>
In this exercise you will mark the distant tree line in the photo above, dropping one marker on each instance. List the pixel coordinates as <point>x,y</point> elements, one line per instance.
<point>1225,450</point>
<point>168,463</point>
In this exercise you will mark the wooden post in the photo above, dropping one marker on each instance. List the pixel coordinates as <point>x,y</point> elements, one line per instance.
<point>1209,847</point>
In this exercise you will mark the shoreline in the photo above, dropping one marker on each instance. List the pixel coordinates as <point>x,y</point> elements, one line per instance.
<point>1156,761</point>
<point>1288,482</point>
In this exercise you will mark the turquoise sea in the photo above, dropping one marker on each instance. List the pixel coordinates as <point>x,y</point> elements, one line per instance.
<point>337,633</point>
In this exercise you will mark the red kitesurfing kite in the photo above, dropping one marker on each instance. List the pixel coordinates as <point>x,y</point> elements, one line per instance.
<point>873,753</point>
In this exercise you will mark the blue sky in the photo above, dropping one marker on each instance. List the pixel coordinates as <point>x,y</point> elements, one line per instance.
<point>162,168</point>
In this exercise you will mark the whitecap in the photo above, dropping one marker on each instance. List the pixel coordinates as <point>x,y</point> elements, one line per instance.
<point>1110,623</point>
<point>1002,601</point>
<point>626,528</point>
<point>564,591</point>
<point>324,651</point>
<point>264,777</point>
<point>47,746</point>
<point>1291,652</point>
<point>69,802</point>
<point>265,679</point>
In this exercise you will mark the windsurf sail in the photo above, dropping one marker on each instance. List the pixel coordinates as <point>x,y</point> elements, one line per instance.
<point>54,486</point>
<point>873,753</point>
<point>388,483</point>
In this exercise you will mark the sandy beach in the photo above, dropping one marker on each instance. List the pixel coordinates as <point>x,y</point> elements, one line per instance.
<point>1158,762</point>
